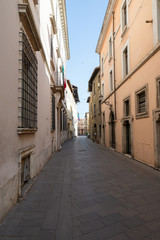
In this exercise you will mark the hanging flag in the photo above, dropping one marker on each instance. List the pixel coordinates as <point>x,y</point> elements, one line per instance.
<point>64,83</point>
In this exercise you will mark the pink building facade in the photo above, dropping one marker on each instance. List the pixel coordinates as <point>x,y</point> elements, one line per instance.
<point>129,49</point>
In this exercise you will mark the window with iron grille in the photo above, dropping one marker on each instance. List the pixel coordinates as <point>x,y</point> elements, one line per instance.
<point>53,112</point>
<point>142,102</point>
<point>27,84</point>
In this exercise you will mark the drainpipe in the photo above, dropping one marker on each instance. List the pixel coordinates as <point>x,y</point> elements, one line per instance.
<point>114,70</point>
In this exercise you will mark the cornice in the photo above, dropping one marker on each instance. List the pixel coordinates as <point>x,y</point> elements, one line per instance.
<point>105,24</point>
<point>62,9</point>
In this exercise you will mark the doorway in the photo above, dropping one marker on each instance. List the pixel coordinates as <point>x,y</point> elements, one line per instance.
<point>112,130</point>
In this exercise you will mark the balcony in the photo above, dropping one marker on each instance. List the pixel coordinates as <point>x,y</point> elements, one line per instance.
<point>59,82</point>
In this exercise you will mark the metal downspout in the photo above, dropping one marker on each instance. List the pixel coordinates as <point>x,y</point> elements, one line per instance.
<point>114,71</point>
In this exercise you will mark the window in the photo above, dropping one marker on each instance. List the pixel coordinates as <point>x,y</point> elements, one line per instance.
<point>158,92</point>
<point>35,2</point>
<point>51,46</point>
<point>99,106</point>
<point>156,21</point>
<point>103,118</point>
<point>53,112</point>
<point>124,17</point>
<point>27,85</point>
<point>100,131</point>
<point>94,109</point>
<point>111,80</point>
<point>125,59</point>
<point>110,48</point>
<point>102,66</point>
<point>94,88</point>
<point>99,82</point>
<point>103,89</point>
<point>126,107</point>
<point>142,102</point>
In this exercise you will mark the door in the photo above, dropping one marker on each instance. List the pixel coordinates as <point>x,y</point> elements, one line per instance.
<point>128,138</point>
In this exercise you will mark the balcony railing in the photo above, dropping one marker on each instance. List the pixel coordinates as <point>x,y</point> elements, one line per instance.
<point>59,79</point>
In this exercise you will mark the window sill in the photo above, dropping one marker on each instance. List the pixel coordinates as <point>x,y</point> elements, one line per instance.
<point>21,131</point>
<point>142,115</point>
<point>124,31</point>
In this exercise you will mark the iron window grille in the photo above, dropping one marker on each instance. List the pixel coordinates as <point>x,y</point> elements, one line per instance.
<point>28,69</point>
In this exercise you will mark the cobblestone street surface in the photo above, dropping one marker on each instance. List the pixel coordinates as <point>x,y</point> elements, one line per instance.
<point>88,192</point>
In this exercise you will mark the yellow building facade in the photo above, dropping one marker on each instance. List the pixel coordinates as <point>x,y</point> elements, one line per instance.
<point>129,45</point>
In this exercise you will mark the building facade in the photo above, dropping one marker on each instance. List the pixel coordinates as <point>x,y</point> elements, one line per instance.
<point>81,127</point>
<point>129,48</point>
<point>94,87</point>
<point>72,98</point>
<point>34,50</point>
<point>86,123</point>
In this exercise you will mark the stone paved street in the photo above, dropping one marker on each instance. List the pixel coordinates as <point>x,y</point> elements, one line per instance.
<point>88,192</point>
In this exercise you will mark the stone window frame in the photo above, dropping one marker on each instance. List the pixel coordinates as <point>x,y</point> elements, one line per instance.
<point>110,48</point>
<point>158,91</point>
<point>156,22</point>
<point>102,67</point>
<point>124,26</point>
<point>27,116</point>
<point>123,59</point>
<point>124,107</point>
<point>137,93</point>
<point>111,83</point>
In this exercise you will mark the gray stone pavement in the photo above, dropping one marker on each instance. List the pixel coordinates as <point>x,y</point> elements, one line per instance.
<point>88,192</point>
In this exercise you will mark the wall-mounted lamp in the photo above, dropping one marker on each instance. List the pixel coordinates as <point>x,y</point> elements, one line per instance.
<point>106,102</point>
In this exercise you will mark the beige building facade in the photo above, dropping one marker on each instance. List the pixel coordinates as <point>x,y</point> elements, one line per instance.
<point>72,98</point>
<point>129,48</point>
<point>94,87</point>
<point>81,127</point>
<point>34,50</point>
<point>87,123</point>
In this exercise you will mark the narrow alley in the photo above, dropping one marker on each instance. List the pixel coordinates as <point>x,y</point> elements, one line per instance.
<point>88,192</point>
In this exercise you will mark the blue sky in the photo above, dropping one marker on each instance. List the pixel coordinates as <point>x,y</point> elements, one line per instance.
<point>85,18</point>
